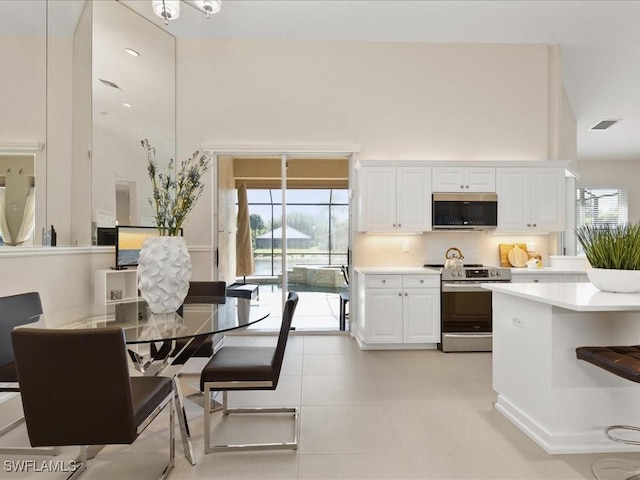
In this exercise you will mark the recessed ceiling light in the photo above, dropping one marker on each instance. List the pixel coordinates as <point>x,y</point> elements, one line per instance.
<point>127,105</point>
<point>604,124</point>
<point>132,52</point>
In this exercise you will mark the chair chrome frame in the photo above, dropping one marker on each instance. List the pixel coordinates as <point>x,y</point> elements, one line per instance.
<point>252,381</point>
<point>227,386</point>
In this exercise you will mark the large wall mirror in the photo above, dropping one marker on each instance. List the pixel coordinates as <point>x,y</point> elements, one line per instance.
<point>22,122</point>
<point>132,97</point>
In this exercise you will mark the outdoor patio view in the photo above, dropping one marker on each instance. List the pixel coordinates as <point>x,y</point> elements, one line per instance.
<point>317,236</point>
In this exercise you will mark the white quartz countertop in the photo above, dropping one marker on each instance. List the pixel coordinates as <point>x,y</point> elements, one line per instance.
<point>397,270</point>
<point>582,297</point>
<point>547,271</point>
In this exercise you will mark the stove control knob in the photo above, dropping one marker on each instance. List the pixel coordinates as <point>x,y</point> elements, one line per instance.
<point>492,273</point>
<point>499,273</point>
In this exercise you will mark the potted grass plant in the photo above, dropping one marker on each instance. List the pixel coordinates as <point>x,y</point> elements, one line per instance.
<point>614,254</point>
<point>164,264</point>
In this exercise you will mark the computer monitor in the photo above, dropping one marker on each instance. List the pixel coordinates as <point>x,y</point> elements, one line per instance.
<point>129,240</point>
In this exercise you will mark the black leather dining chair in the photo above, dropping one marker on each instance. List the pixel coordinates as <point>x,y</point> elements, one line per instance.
<point>16,310</point>
<point>76,390</point>
<point>248,368</point>
<point>344,299</point>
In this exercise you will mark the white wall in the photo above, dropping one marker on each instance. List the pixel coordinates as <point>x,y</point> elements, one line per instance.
<point>397,100</point>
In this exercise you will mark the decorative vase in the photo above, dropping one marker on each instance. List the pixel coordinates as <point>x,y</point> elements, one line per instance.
<point>164,272</point>
<point>617,281</point>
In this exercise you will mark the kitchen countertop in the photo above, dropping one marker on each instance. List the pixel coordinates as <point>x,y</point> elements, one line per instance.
<point>581,297</point>
<point>397,270</point>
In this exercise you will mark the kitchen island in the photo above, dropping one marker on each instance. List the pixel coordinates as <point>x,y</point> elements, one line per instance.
<point>562,403</point>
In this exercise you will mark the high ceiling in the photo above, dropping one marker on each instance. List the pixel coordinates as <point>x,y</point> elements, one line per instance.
<point>600,42</point>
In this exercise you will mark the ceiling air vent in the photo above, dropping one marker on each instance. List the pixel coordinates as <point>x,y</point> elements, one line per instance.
<point>604,124</point>
<point>110,84</point>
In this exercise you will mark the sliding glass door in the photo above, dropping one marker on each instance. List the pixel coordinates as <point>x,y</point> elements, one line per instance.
<point>298,217</point>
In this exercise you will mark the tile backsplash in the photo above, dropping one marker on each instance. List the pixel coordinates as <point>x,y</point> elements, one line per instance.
<point>383,250</point>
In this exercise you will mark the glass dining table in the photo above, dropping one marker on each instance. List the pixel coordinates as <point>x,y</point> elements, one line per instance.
<point>160,344</point>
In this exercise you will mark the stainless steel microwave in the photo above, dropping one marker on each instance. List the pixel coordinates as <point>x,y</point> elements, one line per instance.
<point>465,211</point>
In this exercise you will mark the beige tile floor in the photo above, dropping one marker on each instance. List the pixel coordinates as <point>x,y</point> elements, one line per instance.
<point>316,311</point>
<point>364,415</point>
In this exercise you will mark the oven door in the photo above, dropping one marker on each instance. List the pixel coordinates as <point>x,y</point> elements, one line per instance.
<point>466,318</point>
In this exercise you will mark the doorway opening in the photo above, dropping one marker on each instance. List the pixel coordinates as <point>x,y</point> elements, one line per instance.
<point>298,216</point>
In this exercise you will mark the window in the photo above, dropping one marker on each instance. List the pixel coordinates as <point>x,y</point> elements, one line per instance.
<point>600,206</point>
<point>317,230</point>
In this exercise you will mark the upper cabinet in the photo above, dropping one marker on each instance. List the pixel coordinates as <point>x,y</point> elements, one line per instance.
<point>464,179</point>
<point>530,199</point>
<point>394,199</point>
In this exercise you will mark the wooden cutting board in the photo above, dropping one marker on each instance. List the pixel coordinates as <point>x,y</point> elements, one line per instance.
<point>505,248</point>
<point>517,257</point>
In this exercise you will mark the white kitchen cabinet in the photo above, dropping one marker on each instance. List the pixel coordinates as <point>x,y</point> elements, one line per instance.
<point>401,309</point>
<point>464,179</point>
<point>530,199</point>
<point>394,199</point>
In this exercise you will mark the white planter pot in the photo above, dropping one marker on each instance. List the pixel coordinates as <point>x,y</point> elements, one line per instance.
<point>164,272</point>
<point>618,281</point>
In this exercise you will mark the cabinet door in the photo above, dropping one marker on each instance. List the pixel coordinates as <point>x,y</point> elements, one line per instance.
<point>413,194</point>
<point>377,199</point>
<point>383,316</point>
<point>514,191</point>
<point>480,179</point>
<point>448,179</point>
<point>421,315</point>
<point>547,199</point>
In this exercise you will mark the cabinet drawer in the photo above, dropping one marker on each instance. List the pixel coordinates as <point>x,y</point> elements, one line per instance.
<point>421,281</point>
<point>383,281</point>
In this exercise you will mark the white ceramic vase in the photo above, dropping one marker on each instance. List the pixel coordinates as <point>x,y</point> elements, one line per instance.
<point>164,272</point>
<point>618,281</point>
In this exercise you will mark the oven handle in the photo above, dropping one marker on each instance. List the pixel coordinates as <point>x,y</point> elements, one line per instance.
<point>463,287</point>
<point>467,335</point>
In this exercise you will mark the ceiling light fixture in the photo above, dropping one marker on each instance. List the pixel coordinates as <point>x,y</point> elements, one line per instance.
<point>126,105</point>
<point>209,7</point>
<point>167,9</point>
<point>170,9</point>
<point>132,52</point>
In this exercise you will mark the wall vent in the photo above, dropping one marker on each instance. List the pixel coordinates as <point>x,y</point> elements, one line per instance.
<point>604,124</point>
<point>110,84</point>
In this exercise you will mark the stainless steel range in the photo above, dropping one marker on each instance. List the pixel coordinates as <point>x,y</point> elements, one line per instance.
<point>466,314</point>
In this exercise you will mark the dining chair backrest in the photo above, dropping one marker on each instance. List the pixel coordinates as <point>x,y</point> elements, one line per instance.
<point>75,386</point>
<point>16,310</point>
<point>345,273</point>
<point>206,292</point>
<point>287,317</point>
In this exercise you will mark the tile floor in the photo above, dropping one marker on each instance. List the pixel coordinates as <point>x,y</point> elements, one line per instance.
<point>364,415</point>
<point>316,311</point>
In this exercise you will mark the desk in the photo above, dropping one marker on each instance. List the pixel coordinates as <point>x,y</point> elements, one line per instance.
<point>152,339</point>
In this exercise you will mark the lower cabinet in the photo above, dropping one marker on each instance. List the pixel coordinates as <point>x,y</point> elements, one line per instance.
<point>549,278</point>
<point>401,309</point>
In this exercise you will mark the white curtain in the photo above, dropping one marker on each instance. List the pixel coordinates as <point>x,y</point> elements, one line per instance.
<point>28,218</point>
<point>4,228</point>
<point>244,247</point>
